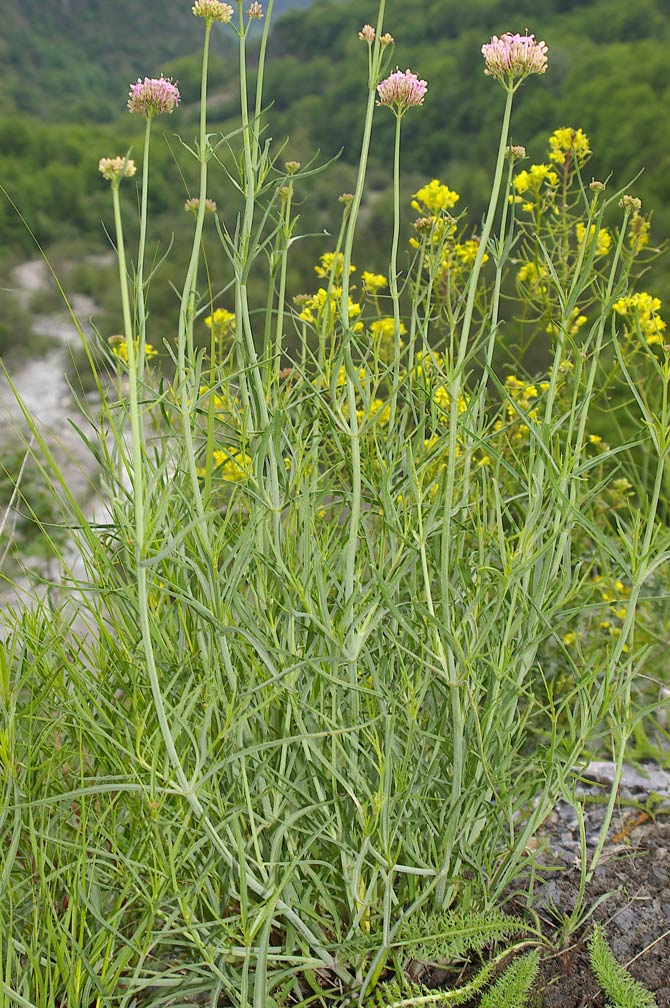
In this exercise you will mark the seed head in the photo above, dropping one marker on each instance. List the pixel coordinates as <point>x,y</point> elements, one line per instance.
<point>255,11</point>
<point>596,186</point>
<point>515,152</point>
<point>213,10</point>
<point>347,198</point>
<point>153,95</point>
<point>292,167</point>
<point>367,34</point>
<point>630,203</point>
<point>401,91</point>
<point>387,39</point>
<point>113,168</point>
<point>514,56</point>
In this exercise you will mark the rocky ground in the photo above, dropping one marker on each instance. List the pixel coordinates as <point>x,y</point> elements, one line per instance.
<point>629,893</point>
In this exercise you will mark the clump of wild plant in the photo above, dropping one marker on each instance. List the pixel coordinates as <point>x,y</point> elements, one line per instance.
<point>301,704</point>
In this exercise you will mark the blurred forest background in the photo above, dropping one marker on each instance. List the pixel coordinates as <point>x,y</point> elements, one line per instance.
<point>67,64</point>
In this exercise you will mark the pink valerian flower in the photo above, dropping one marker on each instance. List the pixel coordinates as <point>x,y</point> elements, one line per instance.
<point>514,56</point>
<point>213,10</point>
<point>153,95</point>
<point>401,91</point>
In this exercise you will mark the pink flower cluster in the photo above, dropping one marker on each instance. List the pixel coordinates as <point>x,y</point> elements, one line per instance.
<point>153,95</point>
<point>401,91</point>
<point>514,56</point>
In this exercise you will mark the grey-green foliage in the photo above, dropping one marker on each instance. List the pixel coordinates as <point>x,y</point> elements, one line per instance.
<point>616,982</point>
<point>430,937</point>
<point>511,990</point>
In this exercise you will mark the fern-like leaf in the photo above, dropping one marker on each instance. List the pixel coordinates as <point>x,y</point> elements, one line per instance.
<point>409,994</point>
<point>616,982</point>
<point>431,938</point>
<point>511,990</point>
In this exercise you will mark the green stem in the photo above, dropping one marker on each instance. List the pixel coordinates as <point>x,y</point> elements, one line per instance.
<point>393,275</point>
<point>141,308</point>
<point>187,303</point>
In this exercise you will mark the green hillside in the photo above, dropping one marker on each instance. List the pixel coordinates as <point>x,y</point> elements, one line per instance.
<point>71,60</point>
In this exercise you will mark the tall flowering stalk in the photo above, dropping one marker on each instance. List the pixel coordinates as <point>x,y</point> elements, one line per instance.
<point>250,363</point>
<point>149,97</point>
<point>399,92</point>
<point>375,50</point>
<point>509,60</point>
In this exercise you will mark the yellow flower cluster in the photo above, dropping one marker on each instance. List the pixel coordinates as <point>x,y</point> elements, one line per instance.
<point>119,347</point>
<point>373,282</point>
<point>232,465</point>
<point>427,364</point>
<point>531,181</point>
<point>566,144</point>
<point>383,335</point>
<point>523,397</point>
<point>603,239</point>
<point>458,259</point>
<point>638,233</point>
<point>377,410</point>
<point>573,325</point>
<point>325,305</point>
<point>434,197</point>
<point>442,399</point>
<point>533,277</point>
<point>222,323</point>
<point>332,264</point>
<point>641,309</point>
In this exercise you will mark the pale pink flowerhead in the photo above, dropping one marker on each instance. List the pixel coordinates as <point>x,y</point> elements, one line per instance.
<point>153,95</point>
<point>367,34</point>
<point>213,10</point>
<point>401,91</point>
<point>514,56</point>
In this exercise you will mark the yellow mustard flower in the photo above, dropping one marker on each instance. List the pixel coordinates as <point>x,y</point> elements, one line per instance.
<point>119,347</point>
<point>325,305</point>
<point>232,465</point>
<point>373,282</point>
<point>533,276</point>
<point>332,263</point>
<point>383,334</point>
<point>531,181</point>
<point>638,233</point>
<point>377,410</point>
<point>570,638</point>
<point>568,143</point>
<point>603,239</point>
<point>574,323</point>
<point>434,197</point>
<point>641,309</point>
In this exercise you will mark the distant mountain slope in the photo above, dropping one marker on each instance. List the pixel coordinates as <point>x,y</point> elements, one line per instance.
<point>72,59</point>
